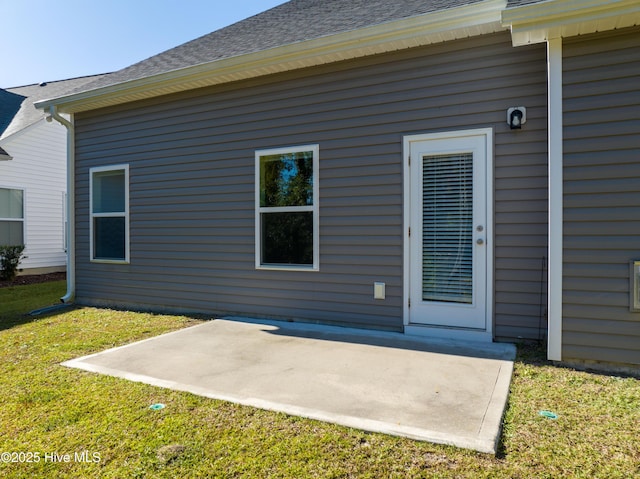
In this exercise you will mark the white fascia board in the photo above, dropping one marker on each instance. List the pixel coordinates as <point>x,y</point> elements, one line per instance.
<point>462,22</point>
<point>564,18</point>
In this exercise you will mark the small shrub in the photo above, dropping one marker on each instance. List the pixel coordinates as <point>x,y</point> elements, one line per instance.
<point>10,257</point>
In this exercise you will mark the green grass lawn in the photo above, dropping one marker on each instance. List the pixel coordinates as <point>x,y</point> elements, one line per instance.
<point>106,428</point>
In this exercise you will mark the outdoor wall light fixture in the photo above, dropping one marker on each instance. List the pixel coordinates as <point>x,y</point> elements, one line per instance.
<point>516,117</point>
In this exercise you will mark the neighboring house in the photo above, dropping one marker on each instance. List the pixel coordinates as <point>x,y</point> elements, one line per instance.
<point>33,155</point>
<point>457,169</point>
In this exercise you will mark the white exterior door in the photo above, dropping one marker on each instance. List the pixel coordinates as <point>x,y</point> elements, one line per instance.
<point>449,229</point>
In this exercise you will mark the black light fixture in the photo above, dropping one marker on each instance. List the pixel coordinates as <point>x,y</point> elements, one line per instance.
<point>516,117</point>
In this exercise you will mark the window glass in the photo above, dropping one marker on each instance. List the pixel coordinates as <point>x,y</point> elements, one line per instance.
<point>108,191</point>
<point>11,203</point>
<point>287,238</point>
<point>109,238</point>
<point>11,217</point>
<point>286,179</point>
<point>11,233</point>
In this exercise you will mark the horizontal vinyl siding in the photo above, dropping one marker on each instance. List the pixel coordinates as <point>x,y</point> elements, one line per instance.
<point>601,196</point>
<point>39,168</point>
<point>191,160</point>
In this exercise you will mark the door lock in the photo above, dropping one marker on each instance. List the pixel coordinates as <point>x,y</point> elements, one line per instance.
<point>480,241</point>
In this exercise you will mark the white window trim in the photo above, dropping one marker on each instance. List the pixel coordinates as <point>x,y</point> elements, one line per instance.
<point>290,209</point>
<point>24,213</point>
<point>93,215</point>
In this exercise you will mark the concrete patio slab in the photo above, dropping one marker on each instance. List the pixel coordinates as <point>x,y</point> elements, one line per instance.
<point>433,390</point>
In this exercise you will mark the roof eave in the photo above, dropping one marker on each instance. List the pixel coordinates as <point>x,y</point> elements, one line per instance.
<point>4,156</point>
<point>542,21</point>
<point>462,22</point>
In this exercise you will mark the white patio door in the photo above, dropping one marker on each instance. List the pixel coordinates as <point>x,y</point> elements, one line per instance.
<point>448,230</point>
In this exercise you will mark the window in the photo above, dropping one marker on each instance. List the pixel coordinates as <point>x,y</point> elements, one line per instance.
<point>109,227</point>
<point>11,217</point>
<point>287,208</point>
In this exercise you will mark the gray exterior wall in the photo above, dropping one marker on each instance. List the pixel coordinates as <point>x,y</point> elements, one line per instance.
<point>191,159</point>
<point>601,196</point>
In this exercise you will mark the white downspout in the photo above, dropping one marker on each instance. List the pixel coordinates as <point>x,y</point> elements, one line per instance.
<point>71,227</point>
<point>554,69</point>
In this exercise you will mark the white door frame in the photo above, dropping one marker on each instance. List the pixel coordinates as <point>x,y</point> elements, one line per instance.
<point>439,331</point>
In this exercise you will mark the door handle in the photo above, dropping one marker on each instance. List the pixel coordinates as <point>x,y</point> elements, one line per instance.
<point>480,241</point>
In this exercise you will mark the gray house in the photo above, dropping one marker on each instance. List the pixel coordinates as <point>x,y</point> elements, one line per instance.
<point>454,168</point>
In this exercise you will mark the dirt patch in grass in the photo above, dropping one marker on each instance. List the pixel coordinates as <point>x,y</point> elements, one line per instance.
<point>33,279</point>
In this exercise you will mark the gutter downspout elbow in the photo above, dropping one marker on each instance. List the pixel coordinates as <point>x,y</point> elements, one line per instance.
<point>71,248</point>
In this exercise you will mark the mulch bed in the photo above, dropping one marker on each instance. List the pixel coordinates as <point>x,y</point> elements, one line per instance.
<point>33,279</point>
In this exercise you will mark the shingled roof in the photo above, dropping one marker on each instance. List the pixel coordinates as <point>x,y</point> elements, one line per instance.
<point>292,22</point>
<point>295,34</point>
<point>16,104</point>
<point>9,107</point>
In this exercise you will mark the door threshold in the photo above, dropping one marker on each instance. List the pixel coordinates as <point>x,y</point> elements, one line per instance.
<point>455,334</point>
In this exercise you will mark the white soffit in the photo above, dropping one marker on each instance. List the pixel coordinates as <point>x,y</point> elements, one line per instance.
<point>462,22</point>
<point>539,22</point>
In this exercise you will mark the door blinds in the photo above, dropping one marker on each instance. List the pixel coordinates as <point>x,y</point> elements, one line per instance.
<point>447,228</point>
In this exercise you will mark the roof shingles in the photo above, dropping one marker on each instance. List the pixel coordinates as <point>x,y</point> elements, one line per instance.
<point>9,106</point>
<point>16,104</point>
<point>292,22</point>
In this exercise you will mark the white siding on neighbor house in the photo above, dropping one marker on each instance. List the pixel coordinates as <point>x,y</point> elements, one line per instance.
<point>39,168</point>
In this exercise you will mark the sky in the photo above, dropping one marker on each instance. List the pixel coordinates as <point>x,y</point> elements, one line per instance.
<point>48,40</point>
